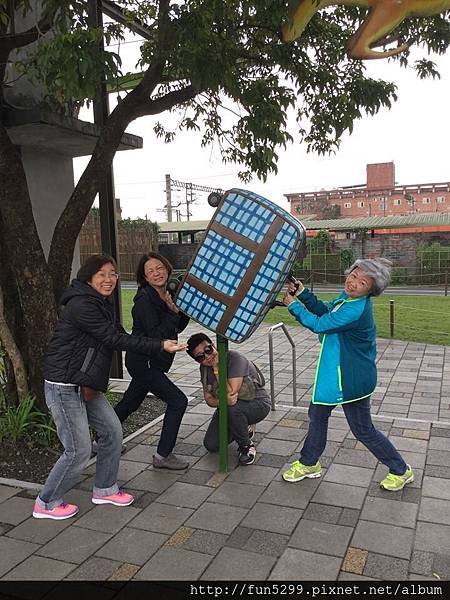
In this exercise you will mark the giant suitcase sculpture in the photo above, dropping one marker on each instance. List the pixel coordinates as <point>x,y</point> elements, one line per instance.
<point>240,267</point>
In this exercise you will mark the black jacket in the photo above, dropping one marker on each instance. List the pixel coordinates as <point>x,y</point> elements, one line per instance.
<point>85,337</point>
<point>153,318</point>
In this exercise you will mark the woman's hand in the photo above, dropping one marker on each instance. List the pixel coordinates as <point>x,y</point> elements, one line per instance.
<point>288,298</point>
<point>173,346</point>
<point>170,303</point>
<point>295,288</point>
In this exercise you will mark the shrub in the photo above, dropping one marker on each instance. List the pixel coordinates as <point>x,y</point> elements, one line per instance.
<point>18,421</point>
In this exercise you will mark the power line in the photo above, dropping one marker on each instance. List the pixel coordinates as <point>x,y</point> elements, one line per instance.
<point>189,187</point>
<point>195,186</point>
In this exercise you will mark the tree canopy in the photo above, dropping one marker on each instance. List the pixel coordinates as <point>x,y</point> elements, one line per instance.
<point>220,64</point>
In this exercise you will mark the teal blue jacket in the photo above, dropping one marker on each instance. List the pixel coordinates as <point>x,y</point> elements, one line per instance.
<point>346,369</point>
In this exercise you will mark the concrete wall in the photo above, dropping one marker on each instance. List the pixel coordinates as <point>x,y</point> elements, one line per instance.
<point>50,183</point>
<point>400,248</point>
<point>24,93</point>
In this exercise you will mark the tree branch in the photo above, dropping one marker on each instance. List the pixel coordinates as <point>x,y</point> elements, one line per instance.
<point>12,350</point>
<point>130,108</point>
<point>155,72</point>
<point>78,206</point>
<point>18,40</point>
<point>154,107</point>
<point>4,55</point>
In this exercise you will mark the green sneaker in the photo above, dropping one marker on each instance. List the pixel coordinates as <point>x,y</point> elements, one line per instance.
<point>297,472</point>
<point>395,483</point>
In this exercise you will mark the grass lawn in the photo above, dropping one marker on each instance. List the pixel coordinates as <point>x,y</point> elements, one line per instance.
<point>417,318</point>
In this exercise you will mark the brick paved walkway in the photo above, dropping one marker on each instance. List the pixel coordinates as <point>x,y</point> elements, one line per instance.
<point>207,526</point>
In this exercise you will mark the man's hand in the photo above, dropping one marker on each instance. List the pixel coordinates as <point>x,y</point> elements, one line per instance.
<point>173,346</point>
<point>232,398</point>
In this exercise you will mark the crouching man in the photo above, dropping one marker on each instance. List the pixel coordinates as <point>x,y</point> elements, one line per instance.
<point>248,400</point>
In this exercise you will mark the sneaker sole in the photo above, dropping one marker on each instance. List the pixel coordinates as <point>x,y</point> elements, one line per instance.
<point>172,468</point>
<point>101,501</point>
<point>37,515</point>
<point>399,489</point>
<point>247,464</point>
<point>309,476</point>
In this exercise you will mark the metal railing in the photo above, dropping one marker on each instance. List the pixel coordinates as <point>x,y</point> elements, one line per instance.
<point>294,366</point>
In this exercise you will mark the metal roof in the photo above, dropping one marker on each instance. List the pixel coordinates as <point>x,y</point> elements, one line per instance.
<point>394,222</point>
<point>183,226</point>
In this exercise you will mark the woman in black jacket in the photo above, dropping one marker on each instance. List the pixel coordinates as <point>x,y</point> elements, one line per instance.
<point>76,372</point>
<point>155,315</point>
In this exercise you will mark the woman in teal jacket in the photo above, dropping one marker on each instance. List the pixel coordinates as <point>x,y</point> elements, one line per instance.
<point>346,371</point>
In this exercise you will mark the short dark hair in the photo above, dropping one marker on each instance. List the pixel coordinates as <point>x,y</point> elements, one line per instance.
<point>92,265</point>
<point>195,340</point>
<point>140,275</point>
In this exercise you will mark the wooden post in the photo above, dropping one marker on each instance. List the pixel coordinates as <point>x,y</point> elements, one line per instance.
<point>222,347</point>
<point>312,281</point>
<point>446,282</point>
<point>391,317</point>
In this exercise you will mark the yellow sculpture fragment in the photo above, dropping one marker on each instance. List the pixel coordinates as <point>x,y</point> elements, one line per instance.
<point>382,18</point>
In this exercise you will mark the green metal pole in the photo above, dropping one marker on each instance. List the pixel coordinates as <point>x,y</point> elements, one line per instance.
<point>391,317</point>
<point>222,347</point>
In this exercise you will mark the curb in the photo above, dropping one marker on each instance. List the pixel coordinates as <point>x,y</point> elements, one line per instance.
<point>29,485</point>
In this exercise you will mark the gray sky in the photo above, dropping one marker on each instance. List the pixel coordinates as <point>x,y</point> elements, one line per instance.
<point>415,134</point>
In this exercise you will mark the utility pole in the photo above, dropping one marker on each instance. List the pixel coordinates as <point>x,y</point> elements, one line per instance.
<point>106,194</point>
<point>168,199</point>
<point>189,199</point>
<point>189,188</point>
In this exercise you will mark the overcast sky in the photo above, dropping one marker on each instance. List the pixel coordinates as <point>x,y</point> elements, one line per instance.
<point>415,134</point>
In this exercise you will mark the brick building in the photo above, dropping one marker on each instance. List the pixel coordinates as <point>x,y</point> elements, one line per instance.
<point>378,197</point>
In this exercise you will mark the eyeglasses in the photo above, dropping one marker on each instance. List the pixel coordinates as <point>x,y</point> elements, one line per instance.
<point>207,351</point>
<point>157,271</point>
<point>102,275</point>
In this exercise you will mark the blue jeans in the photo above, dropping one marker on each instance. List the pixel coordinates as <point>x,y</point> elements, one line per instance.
<point>360,422</point>
<point>72,417</point>
<point>153,380</point>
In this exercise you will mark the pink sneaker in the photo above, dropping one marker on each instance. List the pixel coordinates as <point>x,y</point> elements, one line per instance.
<point>63,511</point>
<point>119,499</point>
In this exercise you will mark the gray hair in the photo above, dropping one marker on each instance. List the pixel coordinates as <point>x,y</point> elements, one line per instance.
<point>379,269</point>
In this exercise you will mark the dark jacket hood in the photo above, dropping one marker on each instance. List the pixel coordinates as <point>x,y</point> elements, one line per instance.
<point>80,288</point>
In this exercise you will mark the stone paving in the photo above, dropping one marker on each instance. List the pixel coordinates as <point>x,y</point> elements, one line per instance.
<point>206,525</point>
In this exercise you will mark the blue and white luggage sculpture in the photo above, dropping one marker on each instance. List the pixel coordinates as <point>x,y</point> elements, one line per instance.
<point>239,269</point>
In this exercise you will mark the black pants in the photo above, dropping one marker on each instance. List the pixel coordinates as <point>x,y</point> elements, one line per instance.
<point>240,416</point>
<point>155,381</point>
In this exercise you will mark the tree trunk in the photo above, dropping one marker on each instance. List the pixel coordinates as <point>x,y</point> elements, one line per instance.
<point>73,216</point>
<point>12,350</point>
<point>136,104</point>
<point>14,319</point>
<point>27,261</point>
